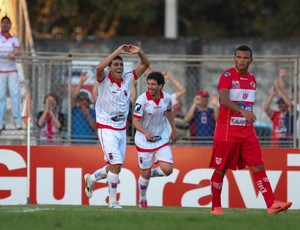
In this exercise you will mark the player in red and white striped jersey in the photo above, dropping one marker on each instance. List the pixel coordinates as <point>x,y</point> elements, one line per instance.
<point>235,140</point>
<point>153,111</point>
<point>112,109</point>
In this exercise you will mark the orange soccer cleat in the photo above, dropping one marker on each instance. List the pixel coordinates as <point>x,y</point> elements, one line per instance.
<point>279,206</point>
<point>143,204</point>
<point>217,211</point>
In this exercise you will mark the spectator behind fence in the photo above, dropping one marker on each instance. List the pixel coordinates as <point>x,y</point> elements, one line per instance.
<point>202,118</point>
<point>181,126</point>
<point>9,47</point>
<point>295,101</point>
<point>180,88</point>
<point>282,130</point>
<point>50,121</point>
<point>84,125</point>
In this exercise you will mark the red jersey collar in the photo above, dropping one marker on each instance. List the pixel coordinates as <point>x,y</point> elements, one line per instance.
<point>112,80</point>
<point>246,75</point>
<point>149,97</point>
<point>6,36</point>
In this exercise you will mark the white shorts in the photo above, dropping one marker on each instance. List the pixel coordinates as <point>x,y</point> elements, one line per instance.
<point>113,144</point>
<point>163,154</point>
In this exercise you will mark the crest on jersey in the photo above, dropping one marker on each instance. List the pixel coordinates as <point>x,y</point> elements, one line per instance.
<point>252,84</point>
<point>235,84</point>
<point>218,160</point>
<point>110,156</point>
<point>125,93</point>
<point>227,74</point>
<point>137,107</point>
<point>245,95</point>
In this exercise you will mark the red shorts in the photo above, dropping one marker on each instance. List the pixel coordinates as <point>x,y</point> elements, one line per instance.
<point>229,155</point>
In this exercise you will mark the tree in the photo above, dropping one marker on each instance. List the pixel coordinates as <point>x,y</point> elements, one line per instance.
<point>206,18</point>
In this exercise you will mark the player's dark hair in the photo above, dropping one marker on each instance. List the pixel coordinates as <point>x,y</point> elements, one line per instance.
<point>158,77</point>
<point>243,48</point>
<point>5,17</point>
<point>115,58</point>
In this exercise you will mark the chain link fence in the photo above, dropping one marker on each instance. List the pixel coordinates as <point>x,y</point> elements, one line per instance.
<point>59,73</point>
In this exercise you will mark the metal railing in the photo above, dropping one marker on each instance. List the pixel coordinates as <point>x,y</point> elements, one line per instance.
<point>59,73</point>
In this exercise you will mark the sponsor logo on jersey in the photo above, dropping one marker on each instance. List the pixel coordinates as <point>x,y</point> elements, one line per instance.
<point>238,121</point>
<point>227,74</point>
<point>137,108</point>
<point>235,84</point>
<point>120,117</point>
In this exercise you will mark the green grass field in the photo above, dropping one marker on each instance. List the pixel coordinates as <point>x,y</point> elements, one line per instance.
<point>46,217</point>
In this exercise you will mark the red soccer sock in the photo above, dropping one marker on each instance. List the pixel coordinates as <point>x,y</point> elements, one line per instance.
<point>216,184</point>
<point>264,186</point>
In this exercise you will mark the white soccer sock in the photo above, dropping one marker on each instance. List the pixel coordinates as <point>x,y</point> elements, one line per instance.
<point>112,180</point>
<point>99,174</point>
<point>157,172</point>
<point>143,186</point>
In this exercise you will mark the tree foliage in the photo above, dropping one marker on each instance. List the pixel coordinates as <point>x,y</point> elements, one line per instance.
<point>206,18</point>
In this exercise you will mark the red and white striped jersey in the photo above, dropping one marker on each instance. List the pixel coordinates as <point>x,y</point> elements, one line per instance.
<point>232,126</point>
<point>7,45</point>
<point>112,105</point>
<point>153,117</point>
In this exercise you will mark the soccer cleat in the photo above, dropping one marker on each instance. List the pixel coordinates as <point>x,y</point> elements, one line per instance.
<point>88,186</point>
<point>114,204</point>
<point>143,204</point>
<point>217,211</point>
<point>279,206</point>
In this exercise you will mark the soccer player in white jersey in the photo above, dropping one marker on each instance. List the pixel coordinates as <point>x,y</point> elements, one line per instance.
<point>152,111</point>
<point>112,109</point>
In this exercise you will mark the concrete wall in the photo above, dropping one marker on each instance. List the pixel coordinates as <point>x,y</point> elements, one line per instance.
<point>165,46</point>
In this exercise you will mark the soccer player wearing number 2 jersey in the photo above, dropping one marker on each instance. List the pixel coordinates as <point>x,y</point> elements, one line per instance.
<point>112,107</point>
<point>235,141</point>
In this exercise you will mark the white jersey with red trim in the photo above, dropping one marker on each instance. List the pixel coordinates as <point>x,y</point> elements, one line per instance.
<point>7,45</point>
<point>232,126</point>
<point>153,117</point>
<point>112,105</point>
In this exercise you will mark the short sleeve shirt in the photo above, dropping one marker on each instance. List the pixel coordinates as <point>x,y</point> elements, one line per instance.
<point>7,45</point>
<point>153,117</point>
<point>112,106</point>
<point>232,126</point>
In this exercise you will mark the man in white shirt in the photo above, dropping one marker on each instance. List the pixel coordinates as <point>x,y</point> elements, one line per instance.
<point>153,111</point>
<point>9,46</point>
<point>112,109</point>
